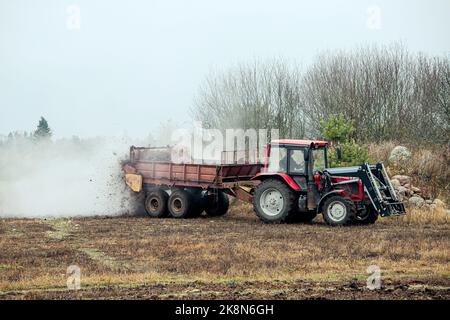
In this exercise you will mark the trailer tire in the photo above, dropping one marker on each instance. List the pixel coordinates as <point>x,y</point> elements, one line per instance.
<point>370,217</point>
<point>274,201</point>
<point>156,203</point>
<point>338,211</point>
<point>199,203</point>
<point>181,204</point>
<point>217,205</point>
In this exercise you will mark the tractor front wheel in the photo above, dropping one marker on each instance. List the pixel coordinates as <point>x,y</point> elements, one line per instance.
<point>274,201</point>
<point>338,211</point>
<point>367,216</point>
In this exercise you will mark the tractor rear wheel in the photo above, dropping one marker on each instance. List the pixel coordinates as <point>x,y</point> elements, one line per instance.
<point>338,211</point>
<point>181,204</point>
<point>217,204</point>
<point>367,216</point>
<point>274,201</point>
<point>156,203</point>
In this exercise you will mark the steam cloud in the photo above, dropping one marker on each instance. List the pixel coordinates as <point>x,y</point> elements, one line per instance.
<point>69,177</point>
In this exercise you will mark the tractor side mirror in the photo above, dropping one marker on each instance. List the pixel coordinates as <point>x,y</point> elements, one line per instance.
<point>338,151</point>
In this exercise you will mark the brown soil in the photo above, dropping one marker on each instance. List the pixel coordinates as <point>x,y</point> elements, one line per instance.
<point>232,257</point>
<point>431,289</point>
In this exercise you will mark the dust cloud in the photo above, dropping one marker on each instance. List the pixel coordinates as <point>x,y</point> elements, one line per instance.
<point>63,178</point>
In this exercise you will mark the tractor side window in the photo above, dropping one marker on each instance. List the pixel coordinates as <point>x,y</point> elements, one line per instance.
<point>277,160</point>
<point>319,159</point>
<point>297,162</point>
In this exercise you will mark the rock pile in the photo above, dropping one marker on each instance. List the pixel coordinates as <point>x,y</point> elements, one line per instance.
<point>413,195</point>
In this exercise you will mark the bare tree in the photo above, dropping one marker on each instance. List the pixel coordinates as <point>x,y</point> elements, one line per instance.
<point>389,93</point>
<point>257,95</point>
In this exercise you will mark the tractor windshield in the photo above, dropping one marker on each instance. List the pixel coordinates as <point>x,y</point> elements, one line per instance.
<point>320,159</point>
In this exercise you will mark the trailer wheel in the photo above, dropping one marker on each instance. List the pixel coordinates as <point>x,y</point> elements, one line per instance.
<point>274,202</point>
<point>338,211</point>
<point>199,202</point>
<point>217,204</point>
<point>368,216</point>
<point>156,203</point>
<point>180,204</point>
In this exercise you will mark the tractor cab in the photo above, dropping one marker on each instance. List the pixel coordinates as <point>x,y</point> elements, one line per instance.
<point>292,157</point>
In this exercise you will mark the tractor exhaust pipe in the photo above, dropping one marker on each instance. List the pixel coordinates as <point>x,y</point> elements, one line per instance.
<point>312,187</point>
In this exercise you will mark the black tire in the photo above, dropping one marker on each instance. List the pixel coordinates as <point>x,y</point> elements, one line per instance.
<point>199,202</point>
<point>274,213</point>
<point>181,204</point>
<point>303,217</point>
<point>217,204</point>
<point>344,216</point>
<point>156,203</point>
<point>369,216</point>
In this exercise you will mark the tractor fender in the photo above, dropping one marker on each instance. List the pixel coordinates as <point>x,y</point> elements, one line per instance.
<point>326,195</point>
<point>283,176</point>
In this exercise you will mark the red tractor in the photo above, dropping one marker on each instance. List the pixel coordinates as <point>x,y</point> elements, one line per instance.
<point>294,184</point>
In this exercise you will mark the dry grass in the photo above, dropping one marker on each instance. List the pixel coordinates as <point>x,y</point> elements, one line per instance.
<point>134,252</point>
<point>421,217</point>
<point>380,152</point>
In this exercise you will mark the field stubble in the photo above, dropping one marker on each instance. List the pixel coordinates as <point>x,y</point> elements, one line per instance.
<point>235,256</point>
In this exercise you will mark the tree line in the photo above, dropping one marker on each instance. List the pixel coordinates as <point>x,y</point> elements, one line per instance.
<point>42,132</point>
<point>387,93</point>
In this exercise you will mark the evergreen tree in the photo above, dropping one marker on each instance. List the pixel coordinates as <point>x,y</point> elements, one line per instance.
<point>43,130</point>
<point>338,129</point>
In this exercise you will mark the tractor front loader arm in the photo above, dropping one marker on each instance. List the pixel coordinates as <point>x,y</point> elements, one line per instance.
<point>379,189</point>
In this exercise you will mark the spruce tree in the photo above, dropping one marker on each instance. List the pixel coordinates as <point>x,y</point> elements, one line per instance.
<point>43,130</point>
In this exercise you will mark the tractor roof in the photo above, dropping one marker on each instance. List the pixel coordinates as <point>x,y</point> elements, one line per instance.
<point>300,142</point>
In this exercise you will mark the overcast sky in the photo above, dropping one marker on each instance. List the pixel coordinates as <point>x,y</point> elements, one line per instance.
<point>125,66</point>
